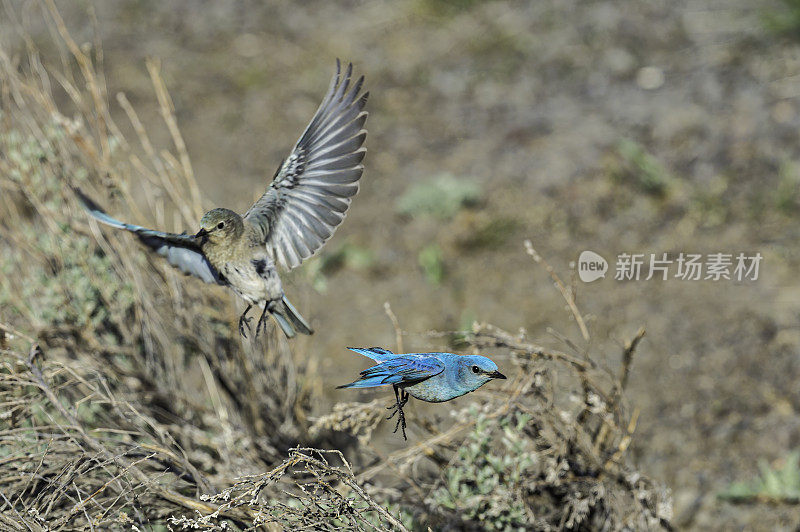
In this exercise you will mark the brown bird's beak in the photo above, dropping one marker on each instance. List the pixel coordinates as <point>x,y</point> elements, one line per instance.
<point>202,236</point>
<point>496,375</point>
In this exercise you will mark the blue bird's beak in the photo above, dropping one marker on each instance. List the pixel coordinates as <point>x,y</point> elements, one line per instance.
<point>496,375</point>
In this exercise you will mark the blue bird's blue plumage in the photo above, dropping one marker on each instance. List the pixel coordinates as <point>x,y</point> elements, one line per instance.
<point>432,377</point>
<point>398,370</point>
<point>378,354</point>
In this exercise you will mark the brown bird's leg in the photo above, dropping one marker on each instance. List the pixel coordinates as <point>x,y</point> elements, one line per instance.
<point>245,321</point>
<point>262,321</point>
<point>401,398</point>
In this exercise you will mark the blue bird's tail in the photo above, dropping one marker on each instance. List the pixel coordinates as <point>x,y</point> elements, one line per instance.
<point>366,383</point>
<point>370,376</point>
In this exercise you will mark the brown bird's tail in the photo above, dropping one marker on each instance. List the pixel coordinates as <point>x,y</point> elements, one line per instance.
<point>290,320</point>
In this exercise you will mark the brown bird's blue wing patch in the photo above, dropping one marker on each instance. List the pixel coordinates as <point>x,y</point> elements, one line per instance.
<point>181,251</point>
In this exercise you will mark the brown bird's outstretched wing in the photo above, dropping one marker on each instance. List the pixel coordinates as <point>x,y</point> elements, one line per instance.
<point>181,251</point>
<point>311,191</point>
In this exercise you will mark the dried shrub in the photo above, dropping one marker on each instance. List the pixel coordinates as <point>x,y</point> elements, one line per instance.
<point>129,402</point>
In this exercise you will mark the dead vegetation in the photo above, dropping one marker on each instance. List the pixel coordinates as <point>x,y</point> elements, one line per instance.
<point>129,402</point>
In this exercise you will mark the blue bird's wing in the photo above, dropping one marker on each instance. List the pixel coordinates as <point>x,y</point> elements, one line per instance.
<point>181,251</point>
<point>378,354</point>
<point>399,370</point>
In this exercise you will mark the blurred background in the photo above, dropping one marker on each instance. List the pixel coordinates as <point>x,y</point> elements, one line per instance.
<point>636,127</point>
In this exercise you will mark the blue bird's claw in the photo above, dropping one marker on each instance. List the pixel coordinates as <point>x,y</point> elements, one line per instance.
<point>401,398</point>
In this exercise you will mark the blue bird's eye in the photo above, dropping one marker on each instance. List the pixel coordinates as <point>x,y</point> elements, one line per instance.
<point>220,225</point>
<point>476,369</point>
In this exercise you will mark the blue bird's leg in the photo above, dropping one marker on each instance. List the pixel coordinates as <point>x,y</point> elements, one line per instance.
<point>245,321</point>
<point>401,398</point>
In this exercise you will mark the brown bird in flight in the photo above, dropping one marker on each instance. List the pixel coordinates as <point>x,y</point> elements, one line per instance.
<point>305,203</point>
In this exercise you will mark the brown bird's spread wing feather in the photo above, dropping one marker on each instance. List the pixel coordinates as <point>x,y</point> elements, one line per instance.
<point>312,189</point>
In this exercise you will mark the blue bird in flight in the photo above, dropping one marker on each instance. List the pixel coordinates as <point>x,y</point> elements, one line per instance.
<point>431,377</point>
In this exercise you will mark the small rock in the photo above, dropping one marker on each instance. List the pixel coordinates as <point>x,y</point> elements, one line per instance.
<point>650,78</point>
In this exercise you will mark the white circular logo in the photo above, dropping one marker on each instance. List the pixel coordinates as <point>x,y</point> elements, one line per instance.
<point>591,266</point>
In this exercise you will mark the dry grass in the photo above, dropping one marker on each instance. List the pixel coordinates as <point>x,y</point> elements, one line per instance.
<point>129,401</point>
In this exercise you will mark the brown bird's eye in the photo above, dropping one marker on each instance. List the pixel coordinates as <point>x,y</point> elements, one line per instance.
<point>220,225</point>
<point>476,369</point>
